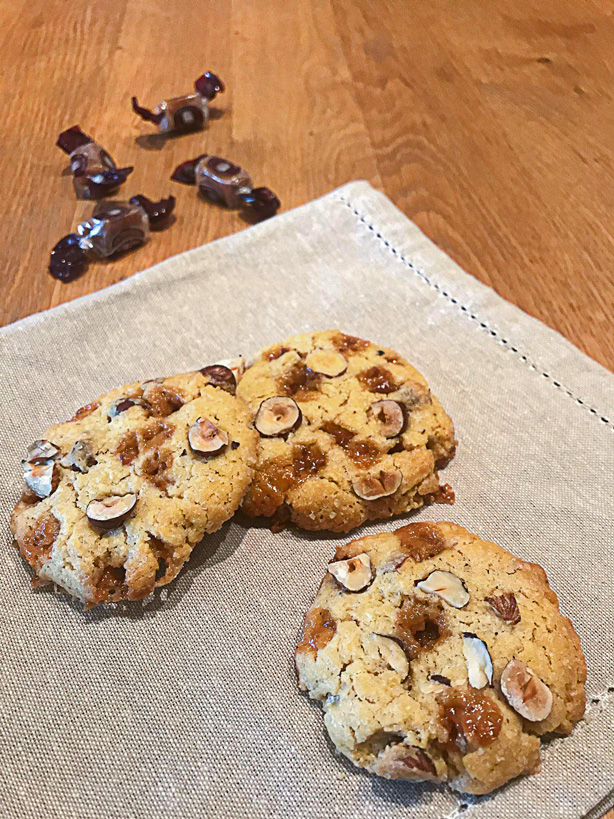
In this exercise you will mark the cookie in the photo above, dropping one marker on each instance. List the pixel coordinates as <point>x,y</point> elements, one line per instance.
<point>117,497</point>
<point>349,432</point>
<point>440,657</point>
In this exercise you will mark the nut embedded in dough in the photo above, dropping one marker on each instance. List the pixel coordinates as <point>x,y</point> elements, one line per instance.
<point>326,362</point>
<point>391,416</point>
<point>123,404</point>
<point>235,365</point>
<point>447,586</point>
<point>378,485</point>
<point>39,477</point>
<point>391,653</point>
<point>479,663</point>
<point>107,513</point>
<point>277,416</point>
<point>219,375</point>
<point>525,692</point>
<point>41,451</point>
<point>206,438</point>
<point>354,574</point>
<point>80,457</point>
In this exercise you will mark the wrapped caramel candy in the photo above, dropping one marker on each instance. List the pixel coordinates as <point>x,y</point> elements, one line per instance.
<point>113,228</point>
<point>186,113</point>
<point>227,184</point>
<point>95,173</point>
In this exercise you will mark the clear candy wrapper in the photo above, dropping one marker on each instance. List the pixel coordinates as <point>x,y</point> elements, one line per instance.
<point>95,173</point>
<point>189,112</point>
<point>225,183</point>
<point>114,227</point>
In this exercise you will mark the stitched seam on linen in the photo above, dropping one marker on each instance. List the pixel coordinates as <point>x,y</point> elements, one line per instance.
<point>473,317</point>
<point>600,701</point>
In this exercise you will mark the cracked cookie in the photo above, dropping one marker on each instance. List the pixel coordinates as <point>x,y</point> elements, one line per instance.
<point>349,432</point>
<point>440,657</point>
<point>116,498</point>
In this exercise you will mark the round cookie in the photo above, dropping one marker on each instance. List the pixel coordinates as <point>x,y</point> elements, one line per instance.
<point>440,657</point>
<point>354,434</point>
<point>117,497</point>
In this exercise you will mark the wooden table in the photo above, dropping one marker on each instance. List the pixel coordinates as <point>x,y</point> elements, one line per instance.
<point>490,124</point>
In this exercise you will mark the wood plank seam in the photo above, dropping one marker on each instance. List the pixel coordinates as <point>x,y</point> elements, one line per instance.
<point>473,317</point>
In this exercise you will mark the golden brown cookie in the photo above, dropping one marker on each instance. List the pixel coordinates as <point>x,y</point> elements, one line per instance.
<point>349,432</point>
<point>440,657</point>
<point>117,497</point>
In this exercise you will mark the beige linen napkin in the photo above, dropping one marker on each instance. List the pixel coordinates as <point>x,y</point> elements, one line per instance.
<point>187,707</point>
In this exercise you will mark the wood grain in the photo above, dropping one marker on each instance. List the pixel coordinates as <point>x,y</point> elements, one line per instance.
<point>490,124</point>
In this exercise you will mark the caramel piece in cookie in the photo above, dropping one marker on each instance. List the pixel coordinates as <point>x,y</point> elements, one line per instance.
<point>451,680</point>
<point>380,433</point>
<point>118,496</point>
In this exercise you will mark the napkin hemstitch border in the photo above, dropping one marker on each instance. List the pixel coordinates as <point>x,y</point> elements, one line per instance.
<point>472,316</point>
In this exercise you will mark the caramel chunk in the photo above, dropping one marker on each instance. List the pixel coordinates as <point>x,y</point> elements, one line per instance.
<point>134,442</point>
<point>156,468</point>
<point>378,379</point>
<point>269,488</point>
<point>420,541</point>
<point>445,494</point>
<point>308,459</point>
<point>318,630</point>
<point>298,381</point>
<point>275,480</point>
<point>341,435</point>
<point>420,625</point>
<point>349,344</point>
<point>470,718</point>
<point>155,434</point>
<point>162,400</point>
<point>362,453</point>
<point>109,584</point>
<point>38,541</point>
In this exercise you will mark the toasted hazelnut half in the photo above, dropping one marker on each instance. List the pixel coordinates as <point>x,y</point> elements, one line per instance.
<point>218,375</point>
<point>377,485</point>
<point>354,574</point>
<point>505,606</point>
<point>39,477</point>
<point>391,653</point>
<point>107,513</point>
<point>525,692</point>
<point>479,663</point>
<point>123,404</point>
<point>400,761</point>
<point>447,586</point>
<point>391,415</point>
<point>326,362</point>
<point>41,451</point>
<point>80,457</point>
<point>236,365</point>
<point>277,416</point>
<point>204,437</point>
<point>411,393</point>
